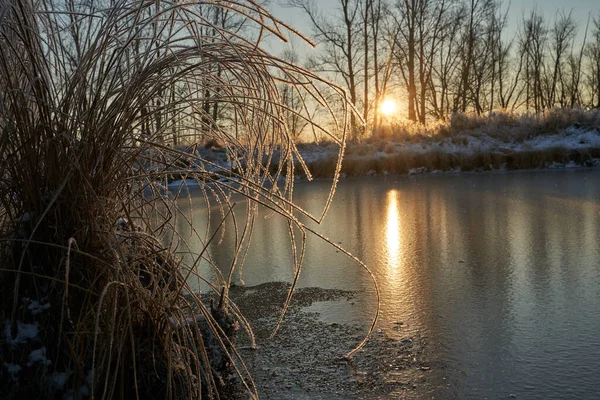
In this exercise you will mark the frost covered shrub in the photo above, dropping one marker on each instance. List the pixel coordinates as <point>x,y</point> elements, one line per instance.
<point>499,123</point>
<point>388,148</point>
<point>556,119</point>
<point>462,122</point>
<point>505,125</point>
<point>94,299</point>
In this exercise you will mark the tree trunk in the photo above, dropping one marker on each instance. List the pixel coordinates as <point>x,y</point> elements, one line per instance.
<point>349,60</point>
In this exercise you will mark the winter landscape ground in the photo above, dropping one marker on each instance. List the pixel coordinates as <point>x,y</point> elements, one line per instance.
<point>561,139</point>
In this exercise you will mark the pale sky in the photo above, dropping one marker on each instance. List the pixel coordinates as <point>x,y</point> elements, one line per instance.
<point>518,8</point>
<point>582,9</point>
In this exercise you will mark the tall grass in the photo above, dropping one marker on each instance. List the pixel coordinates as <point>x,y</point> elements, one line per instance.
<point>385,151</point>
<point>406,162</point>
<point>499,124</point>
<point>90,97</point>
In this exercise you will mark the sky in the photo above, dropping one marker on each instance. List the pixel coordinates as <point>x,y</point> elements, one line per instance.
<point>581,9</point>
<point>518,8</point>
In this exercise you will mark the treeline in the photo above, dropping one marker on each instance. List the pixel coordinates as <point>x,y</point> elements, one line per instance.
<point>167,114</point>
<point>454,56</point>
<point>443,56</point>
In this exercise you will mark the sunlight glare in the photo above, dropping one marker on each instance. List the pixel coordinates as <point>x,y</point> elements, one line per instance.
<point>388,107</point>
<point>393,235</point>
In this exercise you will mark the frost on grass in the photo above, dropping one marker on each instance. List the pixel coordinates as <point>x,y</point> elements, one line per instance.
<point>24,332</point>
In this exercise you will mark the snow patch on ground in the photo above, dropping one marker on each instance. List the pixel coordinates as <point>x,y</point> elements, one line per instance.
<point>89,379</point>
<point>36,308</point>
<point>38,357</point>
<point>570,138</point>
<point>24,218</point>
<point>13,370</point>
<point>417,171</point>
<point>314,152</point>
<point>24,332</point>
<point>84,391</point>
<point>469,144</point>
<point>60,379</point>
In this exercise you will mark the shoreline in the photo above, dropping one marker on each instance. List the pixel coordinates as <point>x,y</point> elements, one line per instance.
<point>594,164</point>
<point>455,172</point>
<point>406,164</point>
<point>303,360</point>
<point>571,148</point>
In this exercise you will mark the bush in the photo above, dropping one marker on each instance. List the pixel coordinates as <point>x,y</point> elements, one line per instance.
<point>91,100</point>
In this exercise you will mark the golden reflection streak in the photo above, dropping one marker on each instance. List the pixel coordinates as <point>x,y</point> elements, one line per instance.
<point>393,234</point>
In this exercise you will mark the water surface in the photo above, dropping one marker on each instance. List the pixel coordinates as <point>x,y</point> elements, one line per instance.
<point>499,273</point>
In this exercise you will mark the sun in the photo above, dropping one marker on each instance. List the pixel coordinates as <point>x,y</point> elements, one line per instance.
<point>388,107</point>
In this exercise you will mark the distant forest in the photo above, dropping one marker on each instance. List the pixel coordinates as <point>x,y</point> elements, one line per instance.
<point>437,57</point>
<point>454,56</point>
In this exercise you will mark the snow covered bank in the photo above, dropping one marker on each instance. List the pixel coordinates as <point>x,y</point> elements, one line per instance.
<point>471,150</point>
<point>574,146</point>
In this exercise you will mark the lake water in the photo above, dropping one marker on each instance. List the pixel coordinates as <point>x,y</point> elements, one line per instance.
<point>499,273</point>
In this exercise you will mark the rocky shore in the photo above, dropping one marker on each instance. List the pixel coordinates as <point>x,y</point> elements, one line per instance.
<point>305,359</point>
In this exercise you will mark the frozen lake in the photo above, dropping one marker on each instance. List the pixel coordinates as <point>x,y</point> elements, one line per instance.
<point>500,273</point>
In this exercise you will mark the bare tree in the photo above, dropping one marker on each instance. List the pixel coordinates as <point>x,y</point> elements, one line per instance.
<point>420,26</point>
<point>293,99</point>
<point>479,13</point>
<point>562,35</point>
<point>454,56</point>
<point>407,11</point>
<point>366,8</point>
<point>376,13</point>
<point>533,43</point>
<point>593,62</point>
<point>338,35</point>
<point>446,69</point>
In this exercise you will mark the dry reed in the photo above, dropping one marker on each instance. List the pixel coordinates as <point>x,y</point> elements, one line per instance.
<point>92,99</point>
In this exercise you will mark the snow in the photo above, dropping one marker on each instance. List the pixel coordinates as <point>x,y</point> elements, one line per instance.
<point>12,369</point>
<point>182,183</point>
<point>59,379</point>
<point>89,379</point>
<point>84,391</point>
<point>570,138</point>
<point>38,356</point>
<point>24,332</point>
<point>314,152</point>
<point>417,171</point>
<point>24,218</point>
<point>36,308</point>
<point>468,143</point>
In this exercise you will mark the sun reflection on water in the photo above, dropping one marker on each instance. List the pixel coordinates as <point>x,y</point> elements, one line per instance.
<point>393,233</point>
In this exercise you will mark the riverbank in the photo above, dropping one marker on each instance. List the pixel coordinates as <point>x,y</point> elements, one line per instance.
<point>304,360</point>
<point>474,151</point>
<point>470,150</point>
